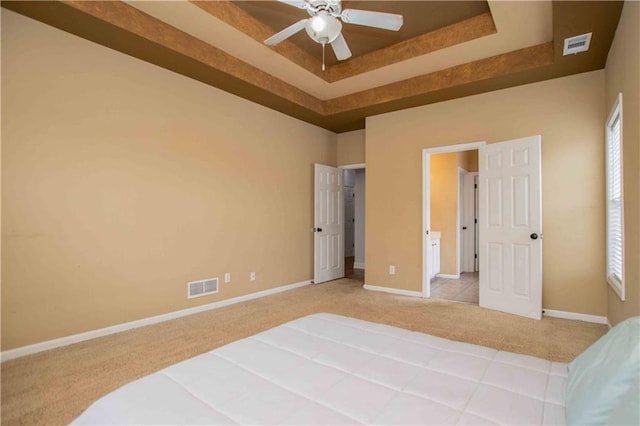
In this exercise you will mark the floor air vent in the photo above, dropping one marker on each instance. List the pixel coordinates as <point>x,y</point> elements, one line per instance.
<point>576,44</point>
<point>202,287</point>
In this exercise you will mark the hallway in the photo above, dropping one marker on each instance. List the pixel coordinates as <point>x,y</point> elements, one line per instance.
<point>466,289</point>
<point>350,272</point>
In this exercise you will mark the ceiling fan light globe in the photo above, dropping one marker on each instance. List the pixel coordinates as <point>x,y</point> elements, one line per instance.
<point>326,32</point>
<point>318,23</point>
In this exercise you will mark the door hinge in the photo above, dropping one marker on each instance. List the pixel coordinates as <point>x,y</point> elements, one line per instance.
<point>475,220</point>
<point>475,256</point>
<point>475,186</point>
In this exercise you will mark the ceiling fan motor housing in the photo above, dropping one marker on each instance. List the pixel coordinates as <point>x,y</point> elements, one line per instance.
<point>334,7</point>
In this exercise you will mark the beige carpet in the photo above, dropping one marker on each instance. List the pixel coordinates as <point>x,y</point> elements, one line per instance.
<point>56,386</point>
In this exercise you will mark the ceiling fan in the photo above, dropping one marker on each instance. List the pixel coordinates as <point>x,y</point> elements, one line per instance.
<point>324,25</point>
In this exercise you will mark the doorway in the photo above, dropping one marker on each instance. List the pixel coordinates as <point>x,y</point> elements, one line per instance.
<point>354,201</point>
<point>431,241</point>
<point>453,214</point>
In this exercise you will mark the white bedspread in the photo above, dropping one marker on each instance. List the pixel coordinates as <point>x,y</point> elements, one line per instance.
<point>329,369</point>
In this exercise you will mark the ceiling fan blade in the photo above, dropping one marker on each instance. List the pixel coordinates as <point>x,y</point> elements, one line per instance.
<point>300,4</point>
<point>286,33</point>
<point>386,21</point>
<point>340,48</point>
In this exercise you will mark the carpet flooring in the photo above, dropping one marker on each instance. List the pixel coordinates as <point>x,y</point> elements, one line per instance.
<point>54,387</point>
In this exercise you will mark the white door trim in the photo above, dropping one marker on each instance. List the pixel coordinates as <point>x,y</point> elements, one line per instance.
<point>459,218</point>
<point>466,198</point>
<point>353,166</point>
<point>426,202</point>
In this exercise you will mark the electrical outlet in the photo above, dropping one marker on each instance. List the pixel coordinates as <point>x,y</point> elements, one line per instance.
<point>392,269</point>
<point>252,276</point>
<point>227,277</point>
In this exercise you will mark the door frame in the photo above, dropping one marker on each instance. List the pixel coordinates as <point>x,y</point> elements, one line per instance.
<point>466,196</point>
<point>357,166</point>
<point>353,166</point>
<point>426,203</point>
<point>459,217</point>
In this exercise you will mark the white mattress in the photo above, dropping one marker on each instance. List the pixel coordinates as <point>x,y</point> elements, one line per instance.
<point>329,369</point>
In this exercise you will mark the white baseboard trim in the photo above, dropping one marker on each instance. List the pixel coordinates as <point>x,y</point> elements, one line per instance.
<point>393,290</point>
<point>449,276</point>
<point>575,316</point>
<point>358,265</point>
<point>76,338</point>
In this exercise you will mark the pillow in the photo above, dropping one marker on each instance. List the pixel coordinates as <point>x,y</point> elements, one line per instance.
<point>602,374</point>
<point>628,410</point>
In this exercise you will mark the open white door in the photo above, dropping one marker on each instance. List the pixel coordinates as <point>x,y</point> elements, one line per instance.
<point>511,227</point>
<point>328,237</point>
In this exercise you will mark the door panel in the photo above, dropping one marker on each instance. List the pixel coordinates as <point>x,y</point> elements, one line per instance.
<point>495,207</point>
<point>329,224</point>
<point>510,211</point>
<point>521,201</point>
<point>494,259</point>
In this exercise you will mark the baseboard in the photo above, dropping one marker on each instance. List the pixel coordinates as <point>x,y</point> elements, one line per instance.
<point>393,290</point>
<point>449,276</point>
<point>76,338</point>
<point>358,265</point>
<point>575,316</point>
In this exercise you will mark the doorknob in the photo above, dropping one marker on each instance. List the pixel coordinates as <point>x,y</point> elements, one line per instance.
<point>317,229</point>
<point>464,228</point>
<point>534,236</point>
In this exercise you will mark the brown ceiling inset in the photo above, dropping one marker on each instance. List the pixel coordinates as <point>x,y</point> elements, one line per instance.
<point>457,33</point>
<point>451,35</point>
<point>420,17</point>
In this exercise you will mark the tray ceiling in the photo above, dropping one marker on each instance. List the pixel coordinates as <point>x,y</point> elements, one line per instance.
<point>445,50</point>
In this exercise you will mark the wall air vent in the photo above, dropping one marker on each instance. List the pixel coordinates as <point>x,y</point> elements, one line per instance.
<point>202,287</point>
<point>576,44</point>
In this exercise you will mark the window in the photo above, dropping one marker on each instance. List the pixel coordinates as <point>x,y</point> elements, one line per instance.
<point>615,219</point>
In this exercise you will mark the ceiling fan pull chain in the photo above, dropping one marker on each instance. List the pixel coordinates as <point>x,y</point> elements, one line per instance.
<point>323,44</point>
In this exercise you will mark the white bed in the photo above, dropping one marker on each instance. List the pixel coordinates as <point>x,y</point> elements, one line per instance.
<point>329,369</point>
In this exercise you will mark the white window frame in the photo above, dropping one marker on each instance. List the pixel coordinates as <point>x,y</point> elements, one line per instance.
<point>615,271</point>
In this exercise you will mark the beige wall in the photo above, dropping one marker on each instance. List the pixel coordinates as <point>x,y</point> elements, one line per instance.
<point>351,148</point>
<point>444,207</point>
<point>567,112</point>
<point>468,160</point>
<point>622,75</point>
<point>121,181</point>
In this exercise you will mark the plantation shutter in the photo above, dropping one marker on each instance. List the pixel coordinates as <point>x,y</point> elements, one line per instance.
<point>614,199</point>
